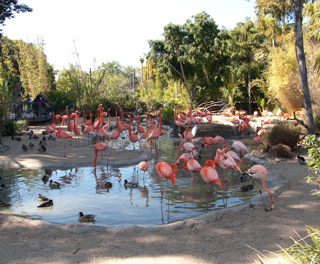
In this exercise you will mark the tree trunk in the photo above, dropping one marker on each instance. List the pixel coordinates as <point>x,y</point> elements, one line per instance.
<point>301,60</point>
<point>249,87</point>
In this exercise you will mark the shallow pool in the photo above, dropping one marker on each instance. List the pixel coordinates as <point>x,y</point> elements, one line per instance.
<point>83,189</point>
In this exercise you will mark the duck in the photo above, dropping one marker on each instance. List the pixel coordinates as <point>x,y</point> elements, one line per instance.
<point>44,138</point>
<point>45,177</point>
<point>246,188</point>
<point>24,147</point>
<point>87,217</point>
<point>242,177</point>
<point>48,171</point>
<point>2,188</point>
<point>15,138</point>
<point>42,198</point>
<point>2,204</point>
<point>46,204</point>
<point>44,132</point>
<point>54,183</point>
<point>42,150</point>
<point>302,160</point>
<point>42,144</point>
<point>108,184</point>
<point>31,145</point>
<point>130,183</point>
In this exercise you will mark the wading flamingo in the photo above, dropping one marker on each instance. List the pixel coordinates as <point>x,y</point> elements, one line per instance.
<point>189,147</point>
<point>63,135</point>
<point>132,136</point>
<point>143,165</point>
<point>240,148</point>
<point>191,165</point>
<point>99,147</point>
<point>185,156</point>
<point>139,128</point>
<point>260,172</point>
<point>166,171</point>
<point>209,175</point>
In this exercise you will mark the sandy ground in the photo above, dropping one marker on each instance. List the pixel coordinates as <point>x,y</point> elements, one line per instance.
<point>226,236</point>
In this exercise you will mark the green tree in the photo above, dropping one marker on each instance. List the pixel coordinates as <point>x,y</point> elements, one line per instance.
<point>247,42</point>
<point>191,53</point>
<point>8,8</point>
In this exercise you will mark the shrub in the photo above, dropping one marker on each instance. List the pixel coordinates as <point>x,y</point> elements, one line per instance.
<point>11,127</point>
<point>281,151</point>
<point>285,133</point>
<point>313,144</point>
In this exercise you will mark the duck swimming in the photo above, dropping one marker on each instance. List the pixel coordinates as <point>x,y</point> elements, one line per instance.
<point>42,198</point>
<point>2,188</point>
<point>130,183</point>
<point>45,177</point>
<point>54,183</point>
<point>46,204</point>
<point>87,217</point>
<point>246,188</point>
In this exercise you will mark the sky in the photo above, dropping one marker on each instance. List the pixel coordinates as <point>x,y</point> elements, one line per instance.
<point>102,31</point>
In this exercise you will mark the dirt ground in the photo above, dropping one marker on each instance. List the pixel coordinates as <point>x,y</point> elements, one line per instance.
<point>227,236</point>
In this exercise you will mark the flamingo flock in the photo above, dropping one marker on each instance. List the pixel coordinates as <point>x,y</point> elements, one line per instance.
<point>152,133</point>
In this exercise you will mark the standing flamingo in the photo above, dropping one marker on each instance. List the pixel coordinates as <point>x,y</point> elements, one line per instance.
<point>166,171</point>
<point>260,172</point>
<point>88,126</point>
<point>115,135</point>
<point>76,130</point>
<point>99,147</point>
<point>63,135</point>
<point>189,147</point>
<point>143,165</point>
<point>139,128</point>
<point>257,139</point>
<point>191,165</point>
<point>187,135</point>
<point>240,147</point>
<point>106,127</point>
<point>132,136</point>
<point>176,121</point>
<point>185,156</point>
<point>209,175</point>
<point>51,128</point>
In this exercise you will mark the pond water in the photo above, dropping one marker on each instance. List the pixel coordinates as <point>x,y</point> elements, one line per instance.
<point>83,190</point>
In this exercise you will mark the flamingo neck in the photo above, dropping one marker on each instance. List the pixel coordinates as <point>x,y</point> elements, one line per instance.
<point>267,190</point>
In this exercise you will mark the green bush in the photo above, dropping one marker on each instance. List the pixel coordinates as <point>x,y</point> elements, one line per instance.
<point>11,127</point>
<point>285,133</point>
<point>313,144</point>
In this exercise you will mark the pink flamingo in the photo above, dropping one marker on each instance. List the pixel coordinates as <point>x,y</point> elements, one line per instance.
<point>63,135</point>
<point>191,165</point>
<point>209,117</point>
<point>115,135</point>
<point>106,127</point>
<point>240,148</point>
<point>185,156</point>
<point>177,122</point>
<point>76,130</point>
<point>187,135</point>
<point>143,165</point>
<point>139,128</point>
<point>88,127</point>
<point>189,147</point>
<point>89,121</point>
<point>51,128</point>
<point>132,136</point>
<point>260,172</point>
<point>166,171</point>
<point>155,134</point>
<point>99,147</point>
<point>144,135</point>
<point>209,175</point>
<point>257,139</point>
<point>64,117</point>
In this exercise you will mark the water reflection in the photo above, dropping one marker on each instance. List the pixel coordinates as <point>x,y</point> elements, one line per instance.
<point>84,190</point>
